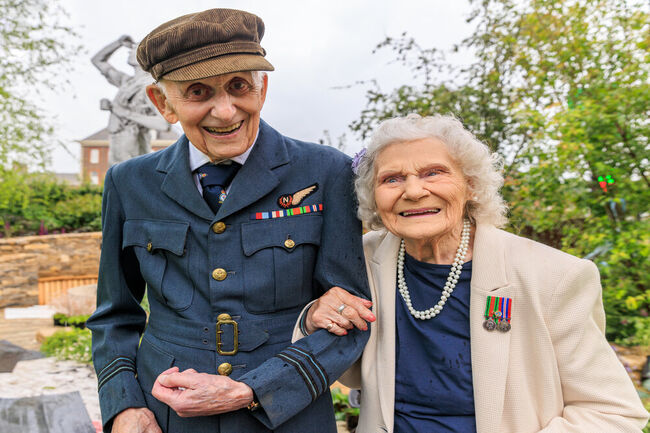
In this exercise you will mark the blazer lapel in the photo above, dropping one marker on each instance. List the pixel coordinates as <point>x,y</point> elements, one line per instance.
<point>256,178</point>
<point>178,183</point>
<point>384,270</point>
<point>490,349</point>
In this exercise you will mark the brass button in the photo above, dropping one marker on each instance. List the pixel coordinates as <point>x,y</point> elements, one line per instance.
<point>289,243</point>
<point>224,369</point>
<point>149,247</point>
<point>219,274</point>
<point>219,227</point>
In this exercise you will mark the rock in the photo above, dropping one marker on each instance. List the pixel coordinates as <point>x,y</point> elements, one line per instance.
<point>76,300</point>
<point>37,247</point>
<point>59,413</point>
<point>10,355</point>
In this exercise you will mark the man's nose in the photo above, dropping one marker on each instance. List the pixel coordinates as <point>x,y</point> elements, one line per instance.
<point>223,107</point>
<point>414,188</point>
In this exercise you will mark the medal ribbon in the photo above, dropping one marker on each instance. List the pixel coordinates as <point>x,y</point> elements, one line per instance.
<point>496,304</point>
<point>489,307</point>
<point>506,315</point>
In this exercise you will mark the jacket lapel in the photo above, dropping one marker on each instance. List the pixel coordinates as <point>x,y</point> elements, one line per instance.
<point>256,178</point>
<point>490,349</point>
<point>178,183</point>
<point>384,270</point>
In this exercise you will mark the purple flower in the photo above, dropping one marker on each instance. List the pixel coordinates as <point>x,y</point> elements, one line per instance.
<point>356,161</point>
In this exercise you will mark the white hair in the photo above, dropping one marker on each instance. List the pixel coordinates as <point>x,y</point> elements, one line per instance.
<point>257,77</point>
<point>481,167</point>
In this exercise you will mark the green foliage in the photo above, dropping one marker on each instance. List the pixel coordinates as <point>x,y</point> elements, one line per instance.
<point>78,321</point>
<point>561,89</point>
<point>28,200</point>
<point>342,409</point>
<point>72,343</point>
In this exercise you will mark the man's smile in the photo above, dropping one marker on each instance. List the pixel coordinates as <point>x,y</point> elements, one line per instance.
<point>226,130</point>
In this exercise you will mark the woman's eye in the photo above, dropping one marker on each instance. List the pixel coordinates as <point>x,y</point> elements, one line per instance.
<point>391,179</point>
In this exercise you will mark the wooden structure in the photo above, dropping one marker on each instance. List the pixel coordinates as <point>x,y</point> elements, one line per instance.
<point>52,287</point>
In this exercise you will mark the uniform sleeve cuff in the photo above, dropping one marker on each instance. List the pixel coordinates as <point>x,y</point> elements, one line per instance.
<point>118,393</point>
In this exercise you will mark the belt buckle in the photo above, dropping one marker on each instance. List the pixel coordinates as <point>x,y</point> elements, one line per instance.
<point>225,319</point>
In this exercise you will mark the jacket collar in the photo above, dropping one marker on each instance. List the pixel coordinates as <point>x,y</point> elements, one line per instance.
<point>490,349</point>
<point>253,181</point>
<point>178,183</point>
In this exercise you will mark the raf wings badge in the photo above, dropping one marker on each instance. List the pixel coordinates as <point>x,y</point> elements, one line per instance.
<point>287,200</point>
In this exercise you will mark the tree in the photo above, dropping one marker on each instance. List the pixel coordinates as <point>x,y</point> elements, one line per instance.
<point>560,88</point>
<point>34,46</point>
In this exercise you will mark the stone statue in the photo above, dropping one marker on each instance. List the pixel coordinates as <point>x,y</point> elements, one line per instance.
<point>132,115</point>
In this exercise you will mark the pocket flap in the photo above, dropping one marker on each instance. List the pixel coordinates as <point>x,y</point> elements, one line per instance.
<point>166,235</point>
<point>303,229</point>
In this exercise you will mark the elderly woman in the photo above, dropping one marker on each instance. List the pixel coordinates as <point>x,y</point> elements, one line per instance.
<point>477,329</point>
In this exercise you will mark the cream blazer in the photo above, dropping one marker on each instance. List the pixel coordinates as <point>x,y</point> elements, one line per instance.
<point>553,372</point>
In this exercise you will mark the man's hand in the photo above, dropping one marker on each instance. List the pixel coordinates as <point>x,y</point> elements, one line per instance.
<point>135,420</point>
<point>199,394</point>
<point>325,314</point>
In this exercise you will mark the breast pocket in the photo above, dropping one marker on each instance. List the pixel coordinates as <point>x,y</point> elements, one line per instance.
<point>163,257</point>
<point>279,259</point>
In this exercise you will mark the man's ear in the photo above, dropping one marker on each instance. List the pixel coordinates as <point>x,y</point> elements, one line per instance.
<point>159,99</point>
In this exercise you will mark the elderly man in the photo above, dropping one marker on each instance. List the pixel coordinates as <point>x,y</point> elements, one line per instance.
<point>232,229</point>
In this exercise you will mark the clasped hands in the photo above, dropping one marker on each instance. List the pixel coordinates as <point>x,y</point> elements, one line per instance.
<point>188,393</point>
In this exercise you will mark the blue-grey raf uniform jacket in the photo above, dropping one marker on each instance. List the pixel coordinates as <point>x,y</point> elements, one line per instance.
<point>259,260</point>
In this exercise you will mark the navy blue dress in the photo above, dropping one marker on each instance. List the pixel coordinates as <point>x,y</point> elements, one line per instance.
<point>433,370</point>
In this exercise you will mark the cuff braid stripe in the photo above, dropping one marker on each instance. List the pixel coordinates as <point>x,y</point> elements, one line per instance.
<point>117,370</point>
<point>120,360</point>
<point>324,379</point>
<point>300,368</point>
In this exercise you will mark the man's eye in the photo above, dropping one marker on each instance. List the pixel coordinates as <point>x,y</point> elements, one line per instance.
<point>197,92</point>
<point>239,87</point>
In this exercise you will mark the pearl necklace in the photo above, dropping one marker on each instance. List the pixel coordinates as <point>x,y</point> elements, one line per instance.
<point>452,279</point>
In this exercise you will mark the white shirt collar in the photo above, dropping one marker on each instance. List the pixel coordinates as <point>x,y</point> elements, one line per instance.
<point>198,158</point>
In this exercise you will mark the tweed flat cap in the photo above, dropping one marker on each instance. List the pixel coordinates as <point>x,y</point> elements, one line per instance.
<point>204,44</point>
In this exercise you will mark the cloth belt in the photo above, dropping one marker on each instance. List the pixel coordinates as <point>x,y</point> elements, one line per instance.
<point>203,335</point>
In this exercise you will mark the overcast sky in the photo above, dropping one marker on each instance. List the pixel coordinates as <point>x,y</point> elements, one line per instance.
<point>317,47</point>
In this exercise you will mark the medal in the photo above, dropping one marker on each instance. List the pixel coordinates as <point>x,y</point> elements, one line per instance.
<point>505,308</point>
<point>497,314</point>
<point>489,324</point>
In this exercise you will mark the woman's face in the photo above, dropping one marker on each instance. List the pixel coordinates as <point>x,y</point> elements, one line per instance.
<point>420,191</point>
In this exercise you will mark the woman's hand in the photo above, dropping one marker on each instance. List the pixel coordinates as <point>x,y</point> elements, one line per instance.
<point>326,312</point>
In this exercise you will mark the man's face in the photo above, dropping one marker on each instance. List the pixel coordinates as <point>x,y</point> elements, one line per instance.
<point>220,115</point>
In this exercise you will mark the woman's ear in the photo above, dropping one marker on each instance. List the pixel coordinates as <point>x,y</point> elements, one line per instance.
<point>159,99</point>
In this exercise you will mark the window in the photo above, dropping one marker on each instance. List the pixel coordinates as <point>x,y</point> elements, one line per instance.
<point>94,156</point>
<point>94,178</point>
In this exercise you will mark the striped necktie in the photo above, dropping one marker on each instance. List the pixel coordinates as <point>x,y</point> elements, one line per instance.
<point>214,181</point>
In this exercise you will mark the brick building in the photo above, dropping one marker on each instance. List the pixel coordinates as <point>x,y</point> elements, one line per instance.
<point>94,153</point>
